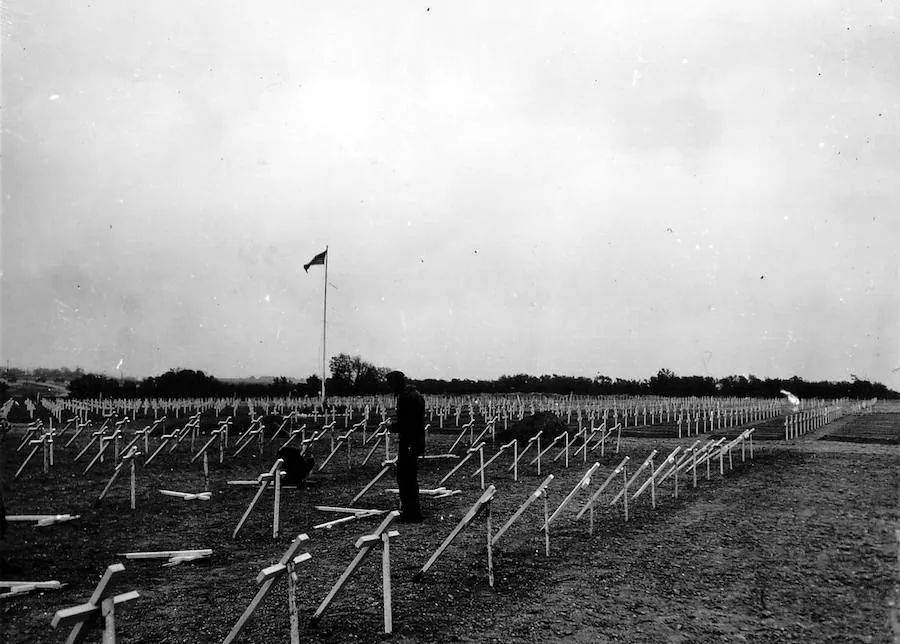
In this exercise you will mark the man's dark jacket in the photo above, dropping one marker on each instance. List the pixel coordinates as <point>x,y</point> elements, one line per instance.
<point>410,423</point>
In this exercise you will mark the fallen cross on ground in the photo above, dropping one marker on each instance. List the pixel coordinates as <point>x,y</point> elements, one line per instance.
<point>42,520</point>
<point>202,496</point>
<point>353,514</point>
<point>175,557</point>
<point>17,588</point>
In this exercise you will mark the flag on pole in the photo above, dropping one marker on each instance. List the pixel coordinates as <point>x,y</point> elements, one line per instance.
<point>318,259</point>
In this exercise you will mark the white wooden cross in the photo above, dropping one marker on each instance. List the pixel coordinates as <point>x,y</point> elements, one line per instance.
<point>79,427</point>
<point>266,578</point>
<point>462,434</point>
<point>289,418</point>
<point>537,459</point>
<point>342,439</point>
<point>565,450</point>
<point>188,496</point>
<point>30,431</point>
<point>128,459</point>
<point>351,515</point>
<point>23,587</point>
<point>300,431</point>
<point>654,477</point>
<point>191,428</point>
<point>483,503</point>
<point>623,494</point>
<point>272,476</point>
<point>166,438</point>
<point>42,520</point>
<point>364,545</point>
<point>95,436</point>
<point>541,491</point>
<point>45,441</point>
<point>484,466</point>
<point>582,484</point>
<point>596,495</point>
<point>386,465</point>
<point>255,431</point>
<point>534,440</point>
<point>175,557</point>
<point>477,449</point>
<point>102,603</point>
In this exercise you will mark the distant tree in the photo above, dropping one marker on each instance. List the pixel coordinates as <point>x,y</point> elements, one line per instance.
<point>351,375</point>
<point>281,386</point>
<point>91,385</point>
<point>663,383</point>
<point>313,386</point>
<point>182,383</point>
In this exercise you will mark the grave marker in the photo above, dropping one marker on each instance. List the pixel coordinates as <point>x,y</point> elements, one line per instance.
<point>482,503</point>
<point>364,545</point>
<point>101,603</point>
<point>267,577</point>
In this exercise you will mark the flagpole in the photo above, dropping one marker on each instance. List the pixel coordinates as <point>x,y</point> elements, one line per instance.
<point>324,325</point>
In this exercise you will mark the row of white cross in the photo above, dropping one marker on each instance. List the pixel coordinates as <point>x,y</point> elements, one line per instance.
<point>102,602</point>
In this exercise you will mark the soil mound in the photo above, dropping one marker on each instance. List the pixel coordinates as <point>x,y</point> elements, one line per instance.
<point>544,421</point>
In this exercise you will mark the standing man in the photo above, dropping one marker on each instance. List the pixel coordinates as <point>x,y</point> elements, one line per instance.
<point>410,425</point>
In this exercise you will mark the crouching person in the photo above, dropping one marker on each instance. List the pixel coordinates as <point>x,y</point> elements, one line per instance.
<point>296,466</point>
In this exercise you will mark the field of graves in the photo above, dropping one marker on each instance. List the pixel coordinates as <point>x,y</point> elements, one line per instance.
<point>547,519</point>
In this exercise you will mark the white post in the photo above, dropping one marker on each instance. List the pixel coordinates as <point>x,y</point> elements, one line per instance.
<point>481,457</point>
<point>490,552</point>
<point>386,581</point>
<point>132,483</point>
<point>546,525</point>
<point>276,516</point>
<point>324,326</point>
<point>292,602</point>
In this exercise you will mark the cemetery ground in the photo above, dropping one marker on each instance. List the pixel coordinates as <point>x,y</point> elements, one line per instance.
<point>799,544</point>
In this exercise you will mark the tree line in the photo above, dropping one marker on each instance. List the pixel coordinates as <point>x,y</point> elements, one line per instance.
<point>351,375</point>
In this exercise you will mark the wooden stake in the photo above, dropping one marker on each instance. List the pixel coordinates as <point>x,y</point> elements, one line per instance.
<point>676,482</point>
<point>108,610</point>
<point>694,466</point>
<point>276,517</point>
<point>386,582</point>
<point>596,495</point>
<point>259,492</point>
<point>266,578</point>
<point>546,527</point>
<point>516,460</point>
<point>292,602</point>
<point>481,458</point>
<point>490,552</point>
<point>582,483</point>
<point>365,546</point>
<point>469,516</point>
<point>534,496</point>
<point>383,471</point>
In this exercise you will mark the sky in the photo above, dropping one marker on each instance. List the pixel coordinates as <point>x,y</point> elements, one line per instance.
<point>578,188</point>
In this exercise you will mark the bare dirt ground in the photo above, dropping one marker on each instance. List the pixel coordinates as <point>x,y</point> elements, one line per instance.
<point>798,545</point>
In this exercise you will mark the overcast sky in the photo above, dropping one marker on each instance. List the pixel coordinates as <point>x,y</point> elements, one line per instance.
<point>504,187</point>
